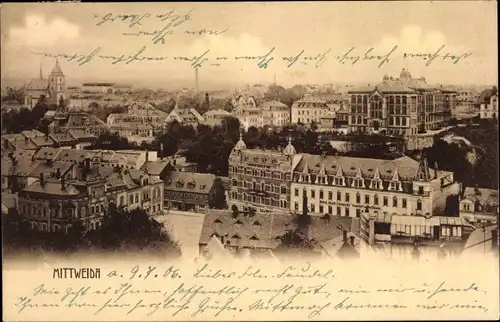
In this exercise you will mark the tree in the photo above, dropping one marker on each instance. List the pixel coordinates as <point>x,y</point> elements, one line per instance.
<point>219,199</point>
<point>294,239</point>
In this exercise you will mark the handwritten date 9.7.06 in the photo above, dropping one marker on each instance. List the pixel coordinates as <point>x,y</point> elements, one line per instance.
<point>150,272</point>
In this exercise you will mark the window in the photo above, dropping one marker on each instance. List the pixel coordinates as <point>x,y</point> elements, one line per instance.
<point>403,201</point>
<point>330,210</point>
<point>347,197</point>
<point>394,185</point>
<point>313,194</point>
<point>330,195</point>
<point>419,204</point>
<point>367,199</point>
<point>386,201</point>
<point>358,198</point>
<point>338,211</point>
<point>313,208</point>
<point>375,200</point>
<point>296,206</point>
<point>320,209</point>
<point>296,192</point>
<point>321,194</point>
<point>283,189</point>
<point>395,201</point>
<point>339,196</point>
<point>347,212</point>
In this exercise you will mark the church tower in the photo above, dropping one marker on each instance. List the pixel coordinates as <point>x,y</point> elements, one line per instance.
<point>57,84</point>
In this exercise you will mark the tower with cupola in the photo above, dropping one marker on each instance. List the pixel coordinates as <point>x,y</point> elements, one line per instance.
<point>57,84</point>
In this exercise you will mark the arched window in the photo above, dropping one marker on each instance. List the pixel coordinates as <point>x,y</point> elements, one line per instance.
<point>375,200</point>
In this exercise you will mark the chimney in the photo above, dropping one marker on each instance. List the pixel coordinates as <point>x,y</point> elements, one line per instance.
<point>63,183</point>
<point>222,239</point>
<point>58,173</point>
<point>344,234</point>
<point>494,239</point>
<point>42,180</point>
<point>352,240</point>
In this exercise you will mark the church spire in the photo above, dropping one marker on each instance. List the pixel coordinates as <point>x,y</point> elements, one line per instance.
<point>41,72</point>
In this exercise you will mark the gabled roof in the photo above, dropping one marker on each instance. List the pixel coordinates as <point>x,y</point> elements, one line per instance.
<point>266,234</point>
<point>406,166</point>
<point>53,188</point>
<point>483,195</point>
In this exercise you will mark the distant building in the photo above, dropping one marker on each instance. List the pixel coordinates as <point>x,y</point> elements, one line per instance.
<point>275,113</point>
<point>488,104</point>
<point>108,88</point>
<point>479,206</point>
<point>400,106</point>
<point>308,110</point>
<point>51,89</point>
<point>467,97</point>
<point>215,117</point>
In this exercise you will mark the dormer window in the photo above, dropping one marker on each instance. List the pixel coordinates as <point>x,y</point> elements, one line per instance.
<point>321,179</point>
<point>358,183</point>
<point>339,181</point>
<point>395,186</point>
<point>376,184</point>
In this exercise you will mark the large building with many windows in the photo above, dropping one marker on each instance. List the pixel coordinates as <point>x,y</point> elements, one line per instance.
<point>59,198</point>
<point>400,106</point>
<point>347,186</point>
<point>308,110</point>
<point>260,179</point>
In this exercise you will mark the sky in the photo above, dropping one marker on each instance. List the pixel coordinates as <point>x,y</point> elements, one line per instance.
<point>30,30</point>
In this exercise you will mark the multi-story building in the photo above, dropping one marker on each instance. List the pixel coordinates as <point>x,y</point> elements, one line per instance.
<point>249,116</point>
<point>275,113</point>
<point>345,186</point>
<point>260,179</point>
<point>308,110</point>
<point>189,191</point>
<point>215,117</point>
<point>410,237</point>
<point>488,104</point>
<point>184,115</point>
<point>65,121</point>
<point>479,205</point>
<point>400,106</point>
<point>55,202</point>
<point>467,97</point>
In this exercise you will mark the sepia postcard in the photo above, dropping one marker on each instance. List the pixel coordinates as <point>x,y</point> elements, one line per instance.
<point>250,161</point>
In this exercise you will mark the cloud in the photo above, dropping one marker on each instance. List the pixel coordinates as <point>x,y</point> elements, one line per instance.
<point>413,39</point>
<point>37,31</point>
